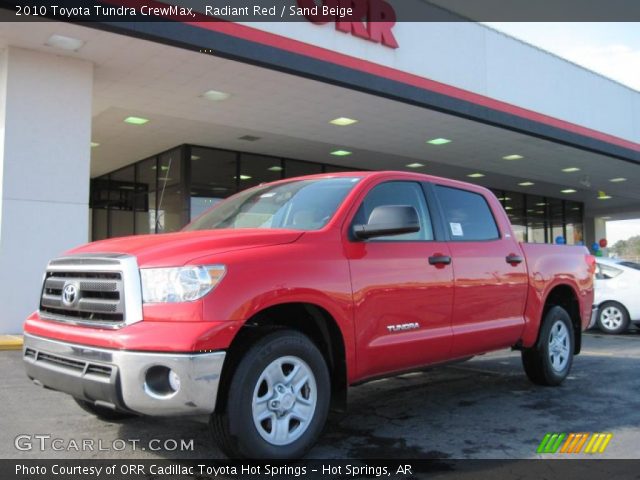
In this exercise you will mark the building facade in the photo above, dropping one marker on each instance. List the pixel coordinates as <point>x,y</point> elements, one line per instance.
<point>113,128</point>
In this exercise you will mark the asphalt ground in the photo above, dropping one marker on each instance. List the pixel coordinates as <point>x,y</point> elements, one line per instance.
<point>484,408</point>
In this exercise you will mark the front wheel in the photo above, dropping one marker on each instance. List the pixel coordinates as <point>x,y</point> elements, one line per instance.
<point>549,361</point>
<point>612,318</point>
<point>278,400</point>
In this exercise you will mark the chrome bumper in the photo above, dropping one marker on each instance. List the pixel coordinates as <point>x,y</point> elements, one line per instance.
<point>121,379</point>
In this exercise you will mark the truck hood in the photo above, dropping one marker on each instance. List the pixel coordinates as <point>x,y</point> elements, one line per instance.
<point>176,249</point>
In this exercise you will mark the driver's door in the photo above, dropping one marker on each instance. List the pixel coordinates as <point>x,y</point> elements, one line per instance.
<point>403,303</point>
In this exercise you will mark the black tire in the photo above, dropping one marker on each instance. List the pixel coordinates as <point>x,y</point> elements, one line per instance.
<point>613,318</point>
<point>234,429</point>
<point>103,413</point>
<point>544,363</point>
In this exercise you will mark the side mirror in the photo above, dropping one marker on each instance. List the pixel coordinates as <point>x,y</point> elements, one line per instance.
<point>387,220</point>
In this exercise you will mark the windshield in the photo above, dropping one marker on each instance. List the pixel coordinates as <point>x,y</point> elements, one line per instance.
<point>296,205</point>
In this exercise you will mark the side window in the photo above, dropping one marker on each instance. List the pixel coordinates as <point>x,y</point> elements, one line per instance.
<point>605,272</point>
<point>467,215</point>
<point>398,193</point>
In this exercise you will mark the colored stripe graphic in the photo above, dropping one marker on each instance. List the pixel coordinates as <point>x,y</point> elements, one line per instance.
<point>574,442</point>
<point>551,442</point>
<point>598,443</point>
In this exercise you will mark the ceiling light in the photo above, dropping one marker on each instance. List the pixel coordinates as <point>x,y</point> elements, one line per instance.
<point>195,157</point>
<point>438,141</point>
<point>65,43</point>
<point>343,121</point>
<point>568,190</point>
<point>245,177</point>
<point>504,199</point>
<point>215,95</point>
<point>275,168</point>
<point>603,196</point>
<point>541,204</point>
<point>94,144</point>
<point>618,180</point>
<point>475,175</point>
<point>508,208</point>
<point>540,212</point>
<point>570,169</point>
<point>415,165</point>
<point>513,157</point>
<point>341,153</point>
<point>526,184</point>
<point>136,120</point>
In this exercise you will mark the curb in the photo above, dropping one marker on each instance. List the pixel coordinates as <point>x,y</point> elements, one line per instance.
<point>11,342</point>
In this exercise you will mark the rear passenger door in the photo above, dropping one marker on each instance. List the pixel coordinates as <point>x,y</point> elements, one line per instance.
<point>490,276</point>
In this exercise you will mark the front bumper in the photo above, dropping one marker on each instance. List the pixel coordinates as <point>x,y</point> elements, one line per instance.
<point>120,379</point>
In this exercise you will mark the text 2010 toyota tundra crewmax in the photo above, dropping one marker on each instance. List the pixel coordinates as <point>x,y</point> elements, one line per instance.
<point>263,310</point>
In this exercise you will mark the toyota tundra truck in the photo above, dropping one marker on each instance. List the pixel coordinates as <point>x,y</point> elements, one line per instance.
<point>266,308</point>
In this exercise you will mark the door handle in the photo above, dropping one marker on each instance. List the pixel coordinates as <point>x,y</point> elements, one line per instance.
<point>439,260</point>
<point>514,259</point>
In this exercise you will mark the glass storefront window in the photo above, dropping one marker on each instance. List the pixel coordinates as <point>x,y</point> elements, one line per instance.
<point>336,169</point>
<point>573,222</point>
<point>171,209</point>
<point>121,202</point>
<point>162,194</point>
<point>145,198</point>
<point>99,222</point>
<point>213,177</point>
<point>257,169</point>
<point>295,168</point>
<point>556,216</point>
<point>537,223</point>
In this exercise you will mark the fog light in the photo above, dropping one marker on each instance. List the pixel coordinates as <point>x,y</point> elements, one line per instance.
<point>174,381</point>
<point>161,382</point>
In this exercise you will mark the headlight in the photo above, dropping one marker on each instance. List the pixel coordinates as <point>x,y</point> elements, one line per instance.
<point>182,284</point>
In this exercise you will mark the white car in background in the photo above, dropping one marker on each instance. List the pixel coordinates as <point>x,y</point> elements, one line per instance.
<point>617,294</point>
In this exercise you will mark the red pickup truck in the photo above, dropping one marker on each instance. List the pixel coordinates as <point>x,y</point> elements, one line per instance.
<point>263,310</point>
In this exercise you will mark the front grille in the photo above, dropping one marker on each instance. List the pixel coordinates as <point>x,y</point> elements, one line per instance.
<point>61,361</point>
<point>98,296</point>
<point>92,291</point>
<point>66,363</point>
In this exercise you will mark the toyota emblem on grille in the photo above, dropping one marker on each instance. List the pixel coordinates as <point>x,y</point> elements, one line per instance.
<point>70,294</point>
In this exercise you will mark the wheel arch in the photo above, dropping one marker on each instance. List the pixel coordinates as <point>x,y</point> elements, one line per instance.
<point>309,319</point>
<point>564,295</point>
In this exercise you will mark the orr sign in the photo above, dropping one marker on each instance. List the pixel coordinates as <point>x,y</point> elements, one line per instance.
<point>371,20</point>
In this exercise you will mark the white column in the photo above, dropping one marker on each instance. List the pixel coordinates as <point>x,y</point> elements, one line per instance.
<point>45,135</point>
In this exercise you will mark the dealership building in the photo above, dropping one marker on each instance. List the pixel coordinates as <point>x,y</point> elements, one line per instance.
<point>111,129</point>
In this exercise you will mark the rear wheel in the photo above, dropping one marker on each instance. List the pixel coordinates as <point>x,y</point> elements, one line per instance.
<point>102,413</point>
<point>613,318</point>
<point>549,361</point>
<point>278,400</point>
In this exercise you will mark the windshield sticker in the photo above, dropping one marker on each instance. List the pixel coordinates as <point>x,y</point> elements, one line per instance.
<point>456,229</point>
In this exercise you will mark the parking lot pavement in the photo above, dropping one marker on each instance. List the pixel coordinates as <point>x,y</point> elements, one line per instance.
<point>483,408</point>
